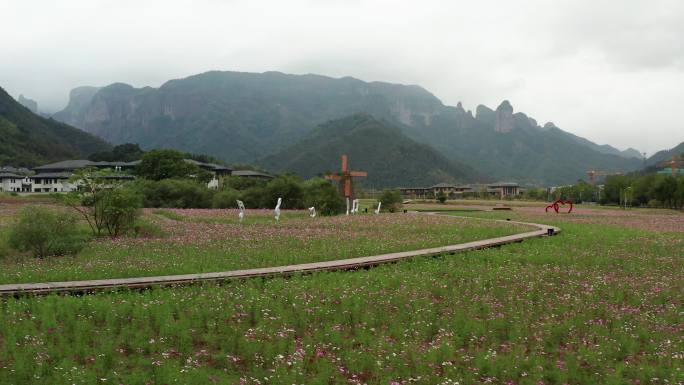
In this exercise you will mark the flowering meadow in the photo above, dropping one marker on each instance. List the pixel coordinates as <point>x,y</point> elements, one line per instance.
<point>602,303</point>
<point>210,240</point>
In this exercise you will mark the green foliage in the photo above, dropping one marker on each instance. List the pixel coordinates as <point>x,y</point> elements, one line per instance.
<point>253,197</point>
<point>106,204</point>
<point>472,318</point>
<point>324,196</point>
<point>391,158</point>
<point>653,190</point>
<point>391,200</point>
<point>578,193</point>
<point>441,197</point>
<point>535,194</point>
<point>127,152</point>
<point>169,164</point>
<point>288,187</point>
<point>245,113</point>
<point>45,232</point>
<point>241,183</point>
<point>144,228</point>
<point>178,193</point>
<point>29,139</point>
<point>225,199</point>
<point>120,209</point>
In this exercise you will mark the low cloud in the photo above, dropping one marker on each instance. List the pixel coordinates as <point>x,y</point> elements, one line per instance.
<point>612,71</point>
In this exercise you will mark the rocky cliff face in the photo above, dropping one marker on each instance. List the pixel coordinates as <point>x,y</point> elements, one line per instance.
<point>240,117</point>
<point>237,116</point>
<point>504,118</point>
<point>28,103</point>
<point>78,106</point>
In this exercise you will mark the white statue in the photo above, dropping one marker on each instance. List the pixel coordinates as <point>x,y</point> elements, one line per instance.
<point>312,212</point>
<point>378,210</point>
<point>241,206</point>
<point>277,210</point>
<point>347,206</point>
<point>355,206</point>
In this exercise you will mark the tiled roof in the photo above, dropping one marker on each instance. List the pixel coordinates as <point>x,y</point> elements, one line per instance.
<point>251,173</point>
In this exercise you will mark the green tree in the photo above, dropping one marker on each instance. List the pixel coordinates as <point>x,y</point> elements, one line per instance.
<point>664,189</point>
<point>441,197</point>
<point>324,196</point>
<point>126,152</point>
<point>288,187</point>
<point>241,183</point>
<point>176,193</point>
<point>45,232</point>
<point>105,203</point>
<point>224,199</point>
<point>169,164</point>
<point>391,200</point>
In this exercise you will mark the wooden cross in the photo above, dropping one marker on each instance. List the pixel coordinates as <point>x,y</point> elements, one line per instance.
<point>346,177</point>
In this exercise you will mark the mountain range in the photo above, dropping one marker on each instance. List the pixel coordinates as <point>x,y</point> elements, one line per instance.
<point>27,139</point>
<point>390,157</point>
<point>247,117</point>
<point>665,155</point>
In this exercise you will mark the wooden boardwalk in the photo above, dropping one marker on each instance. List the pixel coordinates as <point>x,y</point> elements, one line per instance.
<point>342,264</point>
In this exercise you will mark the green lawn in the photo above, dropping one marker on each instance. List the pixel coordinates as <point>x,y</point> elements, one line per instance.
<point>597,304</point>
<point>213,240</point>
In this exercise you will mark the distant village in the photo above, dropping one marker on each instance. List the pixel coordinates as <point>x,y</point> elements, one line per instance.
<point>55,177</point>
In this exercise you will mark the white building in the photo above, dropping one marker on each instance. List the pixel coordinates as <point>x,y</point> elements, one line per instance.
<point>10,182</point>
<point>54,177</point>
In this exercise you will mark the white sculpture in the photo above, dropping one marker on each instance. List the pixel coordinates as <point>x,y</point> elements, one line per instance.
<point>312,212</point>
<point>355,206</point>
<point>241,206</point>
<point>347,206</point>
<point>378,210</point>
<point>277,210</point>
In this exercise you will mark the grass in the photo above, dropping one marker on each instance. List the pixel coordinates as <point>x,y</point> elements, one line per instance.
<point>597,304</point>
<point>196,241</point>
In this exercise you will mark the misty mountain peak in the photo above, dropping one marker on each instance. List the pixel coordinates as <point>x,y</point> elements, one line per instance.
<point>28,103</point>
<point>549,125</point>
<point>504,118</point>
<point>505,106</point>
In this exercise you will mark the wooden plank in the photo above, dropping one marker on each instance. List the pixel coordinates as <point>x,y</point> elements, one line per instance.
<point>342,264</point>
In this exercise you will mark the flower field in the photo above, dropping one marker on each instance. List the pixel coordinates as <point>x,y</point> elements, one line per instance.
<point>197,241</point>
<point>601,303</point>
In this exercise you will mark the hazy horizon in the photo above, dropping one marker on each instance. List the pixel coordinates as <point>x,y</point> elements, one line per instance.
<point>612,72</point>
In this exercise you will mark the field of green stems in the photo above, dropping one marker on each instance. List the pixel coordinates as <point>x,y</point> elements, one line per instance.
<point>602,303</point>
<point>198,241</point>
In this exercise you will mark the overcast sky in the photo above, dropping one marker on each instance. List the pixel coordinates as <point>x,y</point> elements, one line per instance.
<point>611,71</point>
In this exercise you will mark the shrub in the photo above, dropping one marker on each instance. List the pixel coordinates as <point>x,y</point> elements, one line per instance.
<point>120,209</point>
<point>324,196</point>
<point>288,187</point>
<point>225,199</point>
<point>144,228</point>
<point>253,197</point>
<point>4,244</point>
<point>391,200</point>
<point>45,232</point>
<point>168,164</point>
<point>441,197</point>
<point>241,183</point>
<point>175,193</point>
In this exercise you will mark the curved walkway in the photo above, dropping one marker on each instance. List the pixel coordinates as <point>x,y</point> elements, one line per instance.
<point>341,264</point>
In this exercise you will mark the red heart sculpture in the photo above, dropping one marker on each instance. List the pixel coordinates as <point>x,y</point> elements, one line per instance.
<point>556,205</point>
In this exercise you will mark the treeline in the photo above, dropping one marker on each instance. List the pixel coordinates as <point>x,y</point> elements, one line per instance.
<point>189,193</point>
<point>129,152</point>
<point>651,190</point>
<point>166,180</point>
